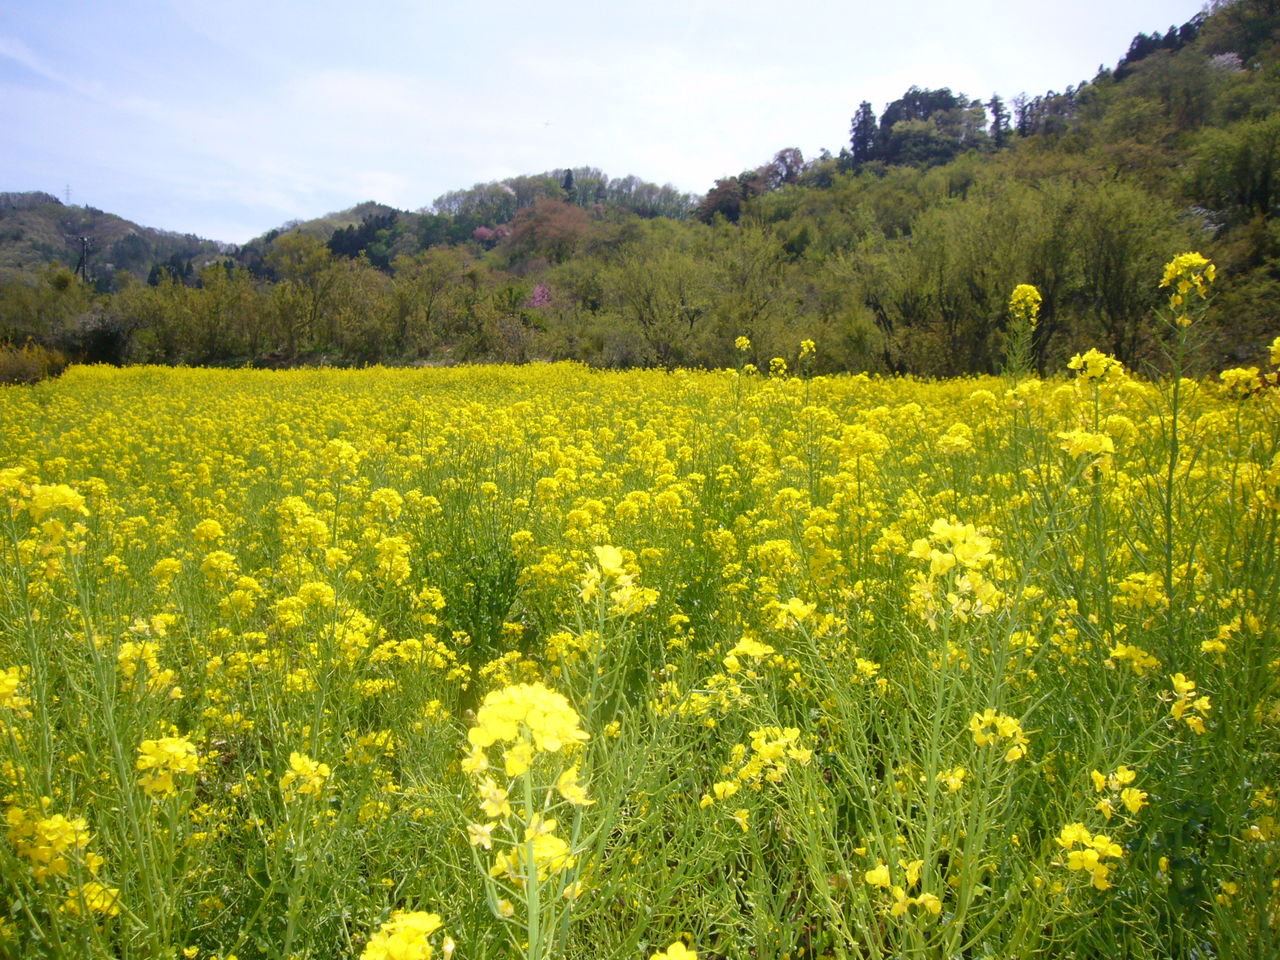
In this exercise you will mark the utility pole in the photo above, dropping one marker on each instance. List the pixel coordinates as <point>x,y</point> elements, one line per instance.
<point>82,267</point>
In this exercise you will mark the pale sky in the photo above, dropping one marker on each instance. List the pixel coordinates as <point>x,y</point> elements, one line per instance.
<point>227,119</point>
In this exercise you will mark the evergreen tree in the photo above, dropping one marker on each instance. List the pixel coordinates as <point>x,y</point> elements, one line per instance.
<point>864,134</point>
<point>1000,125</point>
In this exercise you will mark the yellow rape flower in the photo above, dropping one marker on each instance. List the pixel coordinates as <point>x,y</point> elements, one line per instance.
<point>93,897</point>
<point>45,498</point>
<point>403,937</point>
<point>1188,273</point>
<point>1025,303</point>
<point>527,710</point>
<point>568,787</point>
<point>159,760</point>
<point>305,777</point>
<point>677,951</point>
<point>878,876</point>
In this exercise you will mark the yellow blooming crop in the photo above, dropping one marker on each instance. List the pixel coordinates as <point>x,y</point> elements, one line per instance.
<point>571,790</point>
<point>160,760</point>
<point>93,897</point>
<point>1139,659</point>
<point>304,778</point>
<point>1025,303</point>
<point>749,647</point>
<point>958,438</point>
<point>1189,706</point>
<point>493,799</point>
<point>953,779</point>
<point>11,680</point>
<point>550,854</point>
<point>1082,443</point>
<point>1093,365</point>
<point>403,937</point>
<point>990,727</point>
<point>961,560</point>
<point>1093,853</point>
<point>208,531</point>
<point>1240,381</point>
<point>1118,783</point>
<point>52,844</point>
<point>524,711</point>
<point>45,498</point>
<point>1187,273</point>
<point>878,876</point>
<point>626,599</point>
<point>742,344</point>
<point>765,761</point>
<point>405,603</point>
<point>677,951</point>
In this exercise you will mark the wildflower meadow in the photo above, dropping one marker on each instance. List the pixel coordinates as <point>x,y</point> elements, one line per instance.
<point>550,662</point>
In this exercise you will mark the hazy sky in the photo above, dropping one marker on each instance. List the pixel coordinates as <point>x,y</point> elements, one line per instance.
<point>227,119</point>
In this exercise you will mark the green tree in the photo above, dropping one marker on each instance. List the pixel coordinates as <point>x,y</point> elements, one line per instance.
<point>303,312</point>
<point>663,290</point>
<point>864,134</point>
<point>1237,169</point>
<point>1124,236</point>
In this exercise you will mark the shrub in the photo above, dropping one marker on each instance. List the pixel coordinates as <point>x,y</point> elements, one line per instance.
<point>29,363</point>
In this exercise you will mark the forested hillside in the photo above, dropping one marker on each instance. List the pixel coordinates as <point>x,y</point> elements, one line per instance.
<point>896,253</point>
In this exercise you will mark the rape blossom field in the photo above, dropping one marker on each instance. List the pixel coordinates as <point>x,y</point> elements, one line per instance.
<point>484,662</point>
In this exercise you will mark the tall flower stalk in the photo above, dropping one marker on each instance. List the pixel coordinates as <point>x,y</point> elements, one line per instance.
<point>532,880</point>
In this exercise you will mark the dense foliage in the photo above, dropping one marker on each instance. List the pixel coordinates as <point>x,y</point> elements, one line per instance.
<point>897,253</point>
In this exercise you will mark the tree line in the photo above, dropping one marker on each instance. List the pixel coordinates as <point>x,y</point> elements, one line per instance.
<point>896,254</point>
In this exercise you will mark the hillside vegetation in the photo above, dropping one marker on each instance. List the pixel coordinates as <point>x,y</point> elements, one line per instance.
<point>898,253</point>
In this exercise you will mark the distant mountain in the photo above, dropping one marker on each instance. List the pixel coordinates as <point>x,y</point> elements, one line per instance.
<point>37,229</point>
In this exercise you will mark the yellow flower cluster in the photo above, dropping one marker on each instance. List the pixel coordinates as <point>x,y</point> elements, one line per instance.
<point>1140,660</point>
<point>406,936</point>
<point>765,760</point>
<point>1189,705</point>
<point>880,876</point>
<point>160,760</point>
<point>540,850</point>
<point>1081,443</point>
<point>1187,273</point>
<point>991,727</point>
<point>44,499</point>
<point>92,897</point>
<point>677,950</point>
<point>1119,787</point>
<point>1024,304</point>
<point>52,844</point>
<point>11,698</point>
<point>1094,365</point>
<point>304,778</point>
<point>962,560</point>
<point>625,598</point>
<point>527,717</point>
<point>1240,381</point>
<point>1095,850</point>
